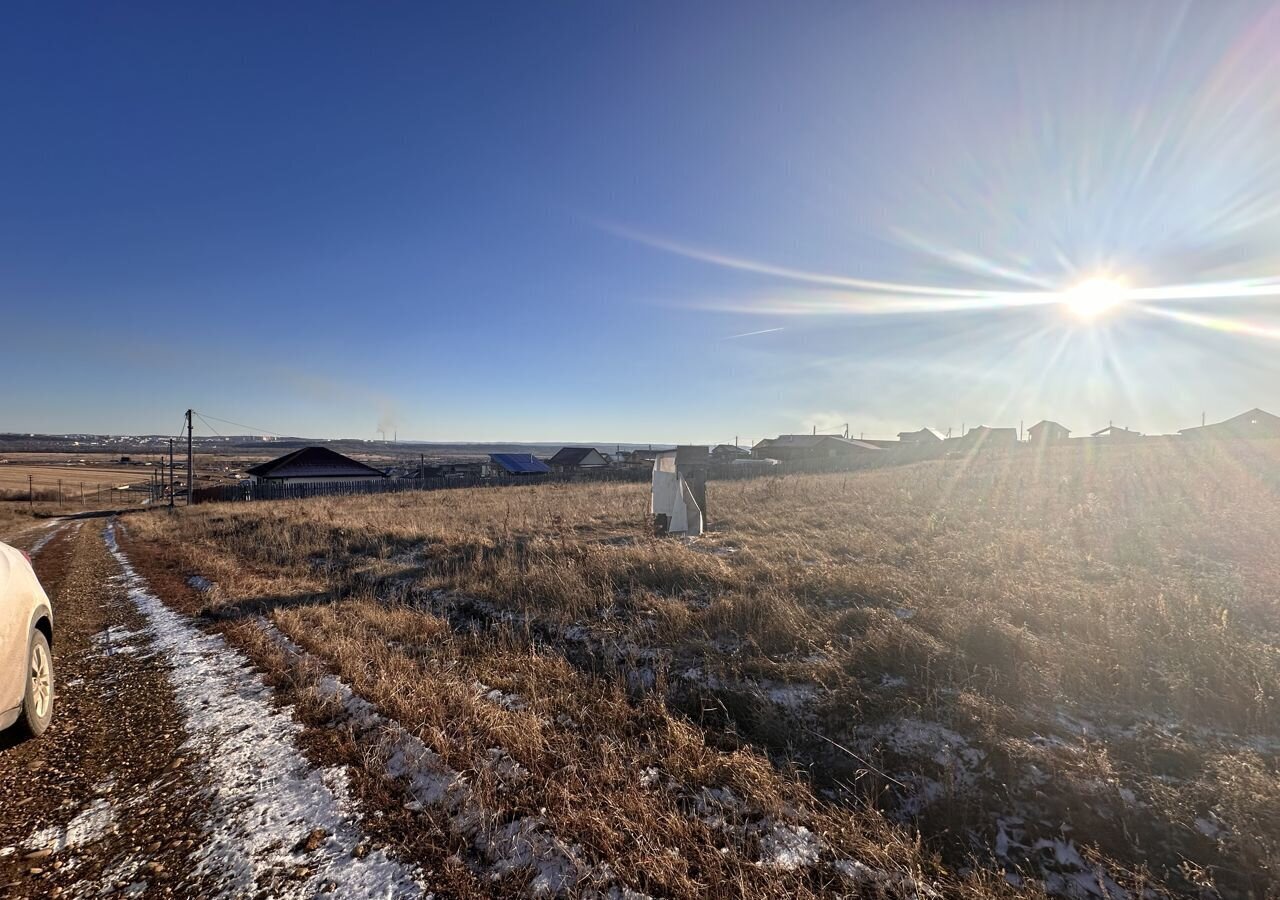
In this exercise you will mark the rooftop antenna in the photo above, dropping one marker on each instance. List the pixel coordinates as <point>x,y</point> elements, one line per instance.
<point>846,430</point>
<point>815,430</point>
<point>1201,420</point>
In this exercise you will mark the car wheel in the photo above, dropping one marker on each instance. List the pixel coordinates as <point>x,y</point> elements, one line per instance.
<point>37,700</point>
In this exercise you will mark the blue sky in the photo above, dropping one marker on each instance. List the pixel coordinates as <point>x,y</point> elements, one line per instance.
<point>552,221</point>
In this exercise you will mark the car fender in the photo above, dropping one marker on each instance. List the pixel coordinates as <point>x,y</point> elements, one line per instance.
<point>42,611</point>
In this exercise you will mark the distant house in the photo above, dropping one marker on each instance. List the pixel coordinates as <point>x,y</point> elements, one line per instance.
<point>983,437</point>
<point>1115,434</point>
<point>570,458</point>
<point>313,465</point>
<point>1256,423</point>
<point>1047,432</point>
<point>923,436</point>
<point>811,446</point>
<point>727,453</point>
<point>518,464</point>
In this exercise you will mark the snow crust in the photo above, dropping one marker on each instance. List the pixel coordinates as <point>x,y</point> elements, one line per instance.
<point>265,798</point>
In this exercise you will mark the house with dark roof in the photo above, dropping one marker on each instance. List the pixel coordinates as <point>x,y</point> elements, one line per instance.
<point>923,436</point>
<point>313,465</point>
<point>1114,434</point>
<point>811,446</point>
<point>727,453</point>
<point>983,437</point>
<point>518,464</point>
<point>569,459</point>
<point>1256,423</point>
<point>1048,432</point>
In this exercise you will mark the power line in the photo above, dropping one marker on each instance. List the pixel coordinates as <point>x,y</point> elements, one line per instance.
<point>207,425</point>
<point>252,429</point>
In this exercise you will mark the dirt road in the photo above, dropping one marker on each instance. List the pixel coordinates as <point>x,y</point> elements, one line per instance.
<point>170,769</point>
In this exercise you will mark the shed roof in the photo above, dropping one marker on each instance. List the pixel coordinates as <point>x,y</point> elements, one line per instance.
<point>314,462</point>
<point>519,463</point>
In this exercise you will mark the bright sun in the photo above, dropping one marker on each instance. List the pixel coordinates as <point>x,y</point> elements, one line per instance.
<point>1093,298</point>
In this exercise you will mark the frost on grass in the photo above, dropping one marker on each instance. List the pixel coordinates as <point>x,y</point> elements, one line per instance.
<point>264,797</point>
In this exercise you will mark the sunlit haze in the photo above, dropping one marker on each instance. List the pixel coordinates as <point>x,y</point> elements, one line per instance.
<point>639,222</point>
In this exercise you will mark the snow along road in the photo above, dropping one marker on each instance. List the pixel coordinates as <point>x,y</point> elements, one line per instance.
<point>169,770</point>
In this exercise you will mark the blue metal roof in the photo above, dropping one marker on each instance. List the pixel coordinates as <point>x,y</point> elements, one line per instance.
<point>520,463</point>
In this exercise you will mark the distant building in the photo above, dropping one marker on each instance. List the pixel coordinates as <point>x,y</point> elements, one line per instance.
<point>923,436</point>
<point>570,458</point>
<point>727,453</point>
<point>1115,434</point>
<point>983,437</point>
<point>1046,432</point>
<point>787,447</point>
<point>518,464</point>
<point>1256,423</point>
<point>313,465</point>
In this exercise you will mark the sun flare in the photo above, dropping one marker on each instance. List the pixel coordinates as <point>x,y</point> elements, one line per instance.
<point>1096,297</point>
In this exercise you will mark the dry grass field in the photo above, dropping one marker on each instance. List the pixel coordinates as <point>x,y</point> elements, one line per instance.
<point>1047,671</point>
<point>47,476</point>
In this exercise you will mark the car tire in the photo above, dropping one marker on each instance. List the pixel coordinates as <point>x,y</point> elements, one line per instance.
<point>37,699</point>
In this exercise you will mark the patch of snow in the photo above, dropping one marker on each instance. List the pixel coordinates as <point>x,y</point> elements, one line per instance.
<point>523,846</point>
<point>915,737</point>
<point>903,613</point>
<point>1207,827</point>
<point>87,827</point>
<point>45,538</point>
<point>789,847</point>
<point>200,583</point>
<point>265,798</point>
<point>116,639</point>
<point>791,696</point>
<point>1074,877</point>
<point>512,702</point>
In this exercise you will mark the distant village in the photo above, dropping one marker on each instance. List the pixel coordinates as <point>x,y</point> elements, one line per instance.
<point>351,465</point>
<point>317,465</point>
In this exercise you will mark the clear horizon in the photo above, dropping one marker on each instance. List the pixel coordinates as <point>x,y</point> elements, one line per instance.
<point>506,221</point>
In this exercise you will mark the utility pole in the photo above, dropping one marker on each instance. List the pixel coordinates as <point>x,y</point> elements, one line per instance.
<point>191,469</point>
<point>31,492</point>
<point>170,471</point>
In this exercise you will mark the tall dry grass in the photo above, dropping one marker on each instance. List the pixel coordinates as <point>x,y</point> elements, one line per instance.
<point>1131,592</point>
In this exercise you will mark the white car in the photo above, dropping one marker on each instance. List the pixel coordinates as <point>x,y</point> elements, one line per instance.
<point>26,633</point>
